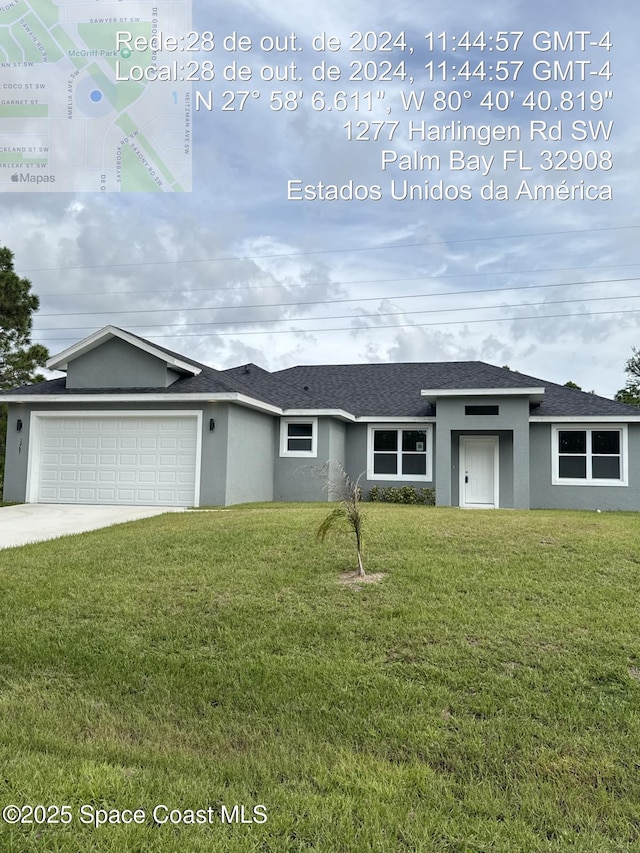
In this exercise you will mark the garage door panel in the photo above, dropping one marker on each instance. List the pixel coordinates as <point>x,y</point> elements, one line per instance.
<point>127,465</point>
<point>145,496</point>
<point>125,496</point>
<point>68,494</point>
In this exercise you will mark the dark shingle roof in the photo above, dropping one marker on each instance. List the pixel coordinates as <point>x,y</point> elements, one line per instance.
<point>386,390</point>
<point>276,388</point>
<point>560,401</point>
<point>382,390</point>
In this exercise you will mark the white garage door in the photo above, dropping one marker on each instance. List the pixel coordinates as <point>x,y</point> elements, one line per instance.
<point>117,460</point>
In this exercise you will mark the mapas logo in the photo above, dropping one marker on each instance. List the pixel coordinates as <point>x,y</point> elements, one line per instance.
<point>26,178</point>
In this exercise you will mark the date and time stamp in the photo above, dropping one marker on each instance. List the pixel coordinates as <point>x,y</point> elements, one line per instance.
<point>426,105</point>
<point>389,50</point>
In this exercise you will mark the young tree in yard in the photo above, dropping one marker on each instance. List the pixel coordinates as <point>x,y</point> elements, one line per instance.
<point>347,492</point>
<point>631,391</point>
<point>19,358</point>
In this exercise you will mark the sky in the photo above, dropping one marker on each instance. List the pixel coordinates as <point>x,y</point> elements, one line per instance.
<point>237,271</point>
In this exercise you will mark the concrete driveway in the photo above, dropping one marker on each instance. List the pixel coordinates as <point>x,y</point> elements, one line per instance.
<point>26,523</point>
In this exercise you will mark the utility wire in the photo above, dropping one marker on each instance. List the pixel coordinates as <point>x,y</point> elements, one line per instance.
<point>372,316</point>
<point>353,328</point>
<point>289,286</point>
<point>241,307</point>
<point>148,263</point>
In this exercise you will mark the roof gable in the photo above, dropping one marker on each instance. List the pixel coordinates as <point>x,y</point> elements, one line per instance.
<point>86,345</point>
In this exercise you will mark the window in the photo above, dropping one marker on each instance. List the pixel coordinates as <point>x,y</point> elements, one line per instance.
<point>298,437</point>
<point>595,455</point>
<point>482,410</point>
<point>399,454</point>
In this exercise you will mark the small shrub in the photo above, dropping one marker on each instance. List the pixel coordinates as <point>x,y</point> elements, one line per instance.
<point>403,495</point>
<point>429,496</point>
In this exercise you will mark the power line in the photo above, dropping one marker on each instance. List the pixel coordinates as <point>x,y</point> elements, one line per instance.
<point>333,301</point>
<point>389,326</point>
<point>378,314</point>
<point>273,286</point>
<point>148,263</point>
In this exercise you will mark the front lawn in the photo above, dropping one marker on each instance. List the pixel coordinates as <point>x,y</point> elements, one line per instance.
<point>483,696</point>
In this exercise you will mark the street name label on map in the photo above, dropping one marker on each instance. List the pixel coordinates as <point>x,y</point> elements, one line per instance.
<point>66,123</point>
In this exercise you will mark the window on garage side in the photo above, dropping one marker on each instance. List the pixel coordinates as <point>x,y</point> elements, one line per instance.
<point>298,437</point>
<point>594,455</point>
<point>399,453</point>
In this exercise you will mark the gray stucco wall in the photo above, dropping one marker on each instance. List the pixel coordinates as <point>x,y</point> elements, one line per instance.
<point>293,479</point>
<point>241,461</point>
<point>15,463</point>
<point>117,364</point>
<point>512,427</point>
<point>356,457</point>
<point>250,455</point>
<point>544,495</point>
<point>213,480</point>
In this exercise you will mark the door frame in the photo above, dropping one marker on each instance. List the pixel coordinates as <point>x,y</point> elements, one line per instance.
<point>494,441</point>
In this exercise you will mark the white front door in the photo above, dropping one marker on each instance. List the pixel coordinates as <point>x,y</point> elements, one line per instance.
<point>479,471</point>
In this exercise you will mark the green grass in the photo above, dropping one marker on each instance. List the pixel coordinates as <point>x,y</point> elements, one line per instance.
<point>484,696</point>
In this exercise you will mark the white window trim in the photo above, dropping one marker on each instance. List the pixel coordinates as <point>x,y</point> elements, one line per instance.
<point>406,478</point>
<point>556,480</point>
<point>284,436</point>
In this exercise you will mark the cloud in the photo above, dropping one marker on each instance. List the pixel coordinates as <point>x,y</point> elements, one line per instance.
<point>234,271</point>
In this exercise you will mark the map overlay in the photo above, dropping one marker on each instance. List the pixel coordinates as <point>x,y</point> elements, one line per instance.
<point>72,117</point>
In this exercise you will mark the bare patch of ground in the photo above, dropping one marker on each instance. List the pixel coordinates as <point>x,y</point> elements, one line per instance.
<point>353,578</point>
